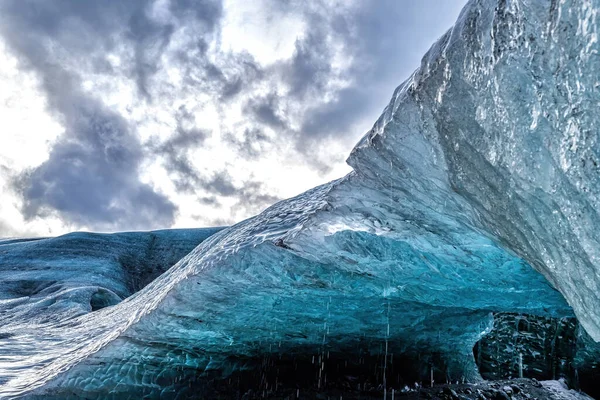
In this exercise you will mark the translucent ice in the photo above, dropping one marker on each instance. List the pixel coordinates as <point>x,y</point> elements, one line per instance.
<point>484,164</point>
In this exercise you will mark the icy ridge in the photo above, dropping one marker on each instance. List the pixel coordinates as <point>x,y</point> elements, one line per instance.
<point>50,285</point>
<point>507,102</point>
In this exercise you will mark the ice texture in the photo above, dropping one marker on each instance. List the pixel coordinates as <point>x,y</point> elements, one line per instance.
<point>82,272</point>
<point>483,165</point>
<point>503,113</point>
<point>280,282</point>
<point>537,347</point>
<point>46,282</point>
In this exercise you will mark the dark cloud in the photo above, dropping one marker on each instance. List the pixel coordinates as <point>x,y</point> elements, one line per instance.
<point>224,79</point>
<point>208,187</point>
<point>252,143</point>
<point>310,67</point>
<point>254,198</point>
<point>92,174</point>
<point>232,88</point>
<point>220,183</point>
<point>384,41</point>
<point>335,117</point>
<point>381,42</point>
<point>265,111</point>
<point>209,200</point>
<point>150,39</point>
<point>244,71</point>
<point>176,161</point>
<point>207,11</point>
<point>251,196</point>
<point>177,149</point>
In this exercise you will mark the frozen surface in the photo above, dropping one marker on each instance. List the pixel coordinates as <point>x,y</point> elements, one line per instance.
<point>281,282</point>
<point>484,164</point>
<point>502,113</point>
<point>538,347</point>
<point>80,272</point>
<point>45,283</point>
<point>558,390</point>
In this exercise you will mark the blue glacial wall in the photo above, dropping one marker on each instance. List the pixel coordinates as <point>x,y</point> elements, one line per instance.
<point>47,282</point>
<point>82,272</point>
<point>504,107</point>
<point>476,192</point>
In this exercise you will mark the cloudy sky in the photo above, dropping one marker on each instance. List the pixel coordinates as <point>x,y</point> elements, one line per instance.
<point>145,114</point>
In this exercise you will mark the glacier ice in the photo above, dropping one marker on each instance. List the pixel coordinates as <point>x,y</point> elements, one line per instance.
<point>484,165</point>
<point>80,272</point>
<point>48,281</point>
<point>540,347</point>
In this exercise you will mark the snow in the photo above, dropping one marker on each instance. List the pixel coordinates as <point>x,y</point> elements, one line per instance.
<point>559,390</point>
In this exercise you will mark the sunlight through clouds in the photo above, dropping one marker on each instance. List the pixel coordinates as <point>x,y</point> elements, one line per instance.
<point>174,113</point>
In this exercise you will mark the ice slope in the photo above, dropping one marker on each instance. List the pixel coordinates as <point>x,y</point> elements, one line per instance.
<point>484,164</point>
<point>82,272</point>
<point>506,104</point>
<point>48,281</point>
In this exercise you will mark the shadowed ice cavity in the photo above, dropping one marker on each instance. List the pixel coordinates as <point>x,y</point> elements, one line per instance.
<point>485,162</point>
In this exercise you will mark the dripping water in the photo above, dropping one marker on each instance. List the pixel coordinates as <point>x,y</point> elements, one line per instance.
<point>386,292</point>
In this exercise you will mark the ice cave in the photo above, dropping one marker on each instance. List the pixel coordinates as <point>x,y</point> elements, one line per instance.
<point>463,247</point>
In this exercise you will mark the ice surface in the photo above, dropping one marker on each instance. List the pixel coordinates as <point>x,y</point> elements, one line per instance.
<point>45,283</point>
<point>257,289</point>
<point>81,272</point>
<point>503,109</point>
<point>536,347</point>
<point>484,163</point>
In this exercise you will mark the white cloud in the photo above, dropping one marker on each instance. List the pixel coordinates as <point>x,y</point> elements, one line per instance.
<point>27,134</point>
<point>227,113</point>
<point>257,28</point>
<point>27,128</point>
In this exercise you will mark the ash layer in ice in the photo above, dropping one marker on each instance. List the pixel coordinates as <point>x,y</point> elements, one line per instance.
<point>484,165</point>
